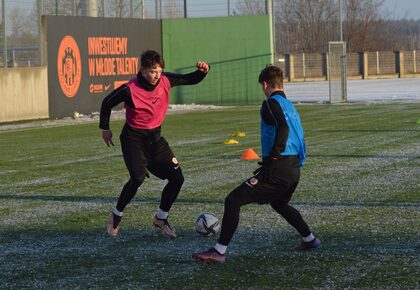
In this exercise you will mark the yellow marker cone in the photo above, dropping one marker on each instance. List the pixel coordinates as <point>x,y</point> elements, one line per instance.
<point>230,142</point>
<point>239,134</point>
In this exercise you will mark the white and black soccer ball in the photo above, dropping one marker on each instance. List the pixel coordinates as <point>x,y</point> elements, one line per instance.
<point>207,224</point>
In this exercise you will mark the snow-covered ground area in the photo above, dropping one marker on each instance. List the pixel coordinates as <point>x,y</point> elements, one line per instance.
<point>359,91</point>
<point>78,118</point>
<point>372,91</point>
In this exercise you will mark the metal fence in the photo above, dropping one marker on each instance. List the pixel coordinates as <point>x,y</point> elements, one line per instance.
<point>20,19</point>
<point>411,62</point>
<point>381,62</point>
<point>21,56</point>
<point>354,68</point>
<point>313,66</point>
<point>309,65</point>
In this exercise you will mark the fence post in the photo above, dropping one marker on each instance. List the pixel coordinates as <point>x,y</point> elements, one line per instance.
<point>399,63</point>
<point>414,61</point>
<point>14,59</point>
<point>303,66</point>
<point>290,62</point>
<point>364,65</point>
<point>185,9</point>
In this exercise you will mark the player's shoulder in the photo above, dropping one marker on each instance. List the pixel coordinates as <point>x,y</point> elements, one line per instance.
<point>270,102</point>
<point>164,77</point>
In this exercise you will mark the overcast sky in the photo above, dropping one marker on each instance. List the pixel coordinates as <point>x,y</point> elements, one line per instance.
<point>198,8</point>
<point>397,8</point>
<point>403,8</point>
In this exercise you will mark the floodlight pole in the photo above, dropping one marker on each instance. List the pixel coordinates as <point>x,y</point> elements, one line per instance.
<point>340,12</point>
<point>156,9</point>
<point>75,8</point>
<point>269,10</point>
<point>93,8</point>
<point>3,18</point>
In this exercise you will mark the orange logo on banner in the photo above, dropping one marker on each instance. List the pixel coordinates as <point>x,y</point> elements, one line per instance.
<point>69,66</point>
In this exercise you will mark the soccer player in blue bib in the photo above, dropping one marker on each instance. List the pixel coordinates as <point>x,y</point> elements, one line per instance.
<point>283,153</point>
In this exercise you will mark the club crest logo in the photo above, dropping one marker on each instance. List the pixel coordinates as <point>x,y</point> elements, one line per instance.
<point>253,181</point>
<point>69,66</point>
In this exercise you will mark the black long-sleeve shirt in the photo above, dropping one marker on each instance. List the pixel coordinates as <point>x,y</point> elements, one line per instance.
<point>123,94</point>
<point>272,114</point>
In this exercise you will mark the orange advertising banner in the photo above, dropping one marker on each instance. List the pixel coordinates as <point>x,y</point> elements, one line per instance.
<point>90,57</point>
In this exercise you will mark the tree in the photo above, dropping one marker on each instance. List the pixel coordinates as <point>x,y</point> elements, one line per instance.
<point>308,25</point>
<point>362,20</point>
<point>304,25</point>
<point>21,28</point>
<point>121,9</point>
<point>172,9</point>
<point>249,7</point>
<point>60,7</point>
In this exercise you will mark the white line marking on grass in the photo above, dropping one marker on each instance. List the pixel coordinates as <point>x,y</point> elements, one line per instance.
<point>89,180</point>
<point>8,171</point>
<point>36,181</point>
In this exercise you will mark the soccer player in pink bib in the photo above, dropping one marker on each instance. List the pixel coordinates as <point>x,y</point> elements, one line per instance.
<point>146,101</point>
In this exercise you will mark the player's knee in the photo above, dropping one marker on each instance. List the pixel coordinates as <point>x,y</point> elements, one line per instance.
<point>138,180</point>
<point>177,179</point>
<point>231,201</point>
<point>280,208</point>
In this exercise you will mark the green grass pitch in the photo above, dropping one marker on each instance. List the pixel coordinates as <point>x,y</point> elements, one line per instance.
<point>359,192</point>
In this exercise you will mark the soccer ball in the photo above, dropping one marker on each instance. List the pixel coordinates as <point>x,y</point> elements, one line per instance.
<point>207,224</point>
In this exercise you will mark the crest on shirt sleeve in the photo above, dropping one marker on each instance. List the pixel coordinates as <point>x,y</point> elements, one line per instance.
<point>251,182</point>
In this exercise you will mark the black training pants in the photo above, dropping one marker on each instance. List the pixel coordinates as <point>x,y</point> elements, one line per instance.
<point>277,191</point>
<point>145,151</point>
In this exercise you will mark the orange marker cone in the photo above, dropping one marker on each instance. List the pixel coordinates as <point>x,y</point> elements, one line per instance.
<point>250,155</point>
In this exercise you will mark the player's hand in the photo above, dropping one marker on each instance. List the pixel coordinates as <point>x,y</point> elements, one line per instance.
<point>203,66</point>
<point>107,136</point>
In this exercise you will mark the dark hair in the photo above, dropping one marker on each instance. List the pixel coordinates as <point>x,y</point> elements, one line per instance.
<point>272,75</point>
<point>151,58</point>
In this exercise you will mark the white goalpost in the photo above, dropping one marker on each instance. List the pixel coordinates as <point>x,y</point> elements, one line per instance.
<point>337,71</point>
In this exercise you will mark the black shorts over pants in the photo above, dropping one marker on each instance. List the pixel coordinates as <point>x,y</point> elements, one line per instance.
<point>275,185</point>
<point>150,152</point>
<point>146,151</point>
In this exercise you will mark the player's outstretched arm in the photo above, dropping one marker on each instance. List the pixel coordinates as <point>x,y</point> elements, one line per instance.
<point>191,78</point>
